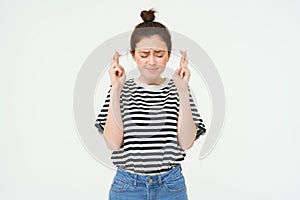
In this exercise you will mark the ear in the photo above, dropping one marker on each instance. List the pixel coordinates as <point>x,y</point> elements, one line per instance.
<point>169,55</point>
<point>133,55</point>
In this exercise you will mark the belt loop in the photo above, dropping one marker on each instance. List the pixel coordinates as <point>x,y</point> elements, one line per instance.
<point>135,180</point>
<point>159,180</point>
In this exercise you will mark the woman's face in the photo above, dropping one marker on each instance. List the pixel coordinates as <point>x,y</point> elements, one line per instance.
<point>151,56</point>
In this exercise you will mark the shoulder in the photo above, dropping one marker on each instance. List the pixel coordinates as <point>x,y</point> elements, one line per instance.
<point>129,86</point>
<point>129,83</point>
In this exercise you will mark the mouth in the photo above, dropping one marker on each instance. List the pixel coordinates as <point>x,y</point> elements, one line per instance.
<point>152,69</point>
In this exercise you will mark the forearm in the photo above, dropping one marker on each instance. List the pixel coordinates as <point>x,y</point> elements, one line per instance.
<point>113,129</point>
<point>186,125</point>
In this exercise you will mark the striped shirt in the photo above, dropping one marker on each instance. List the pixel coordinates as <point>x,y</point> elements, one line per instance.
<point>150,116</point>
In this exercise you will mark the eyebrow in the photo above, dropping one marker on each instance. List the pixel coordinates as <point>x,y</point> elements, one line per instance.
<point>156,51</point>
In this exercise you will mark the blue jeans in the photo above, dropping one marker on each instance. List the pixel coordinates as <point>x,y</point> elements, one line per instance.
<point>169,185</point>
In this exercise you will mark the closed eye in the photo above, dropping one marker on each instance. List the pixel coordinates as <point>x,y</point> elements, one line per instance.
<point>144,54</point>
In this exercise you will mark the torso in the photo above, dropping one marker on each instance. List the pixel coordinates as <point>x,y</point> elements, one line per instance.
<point>149,114</point>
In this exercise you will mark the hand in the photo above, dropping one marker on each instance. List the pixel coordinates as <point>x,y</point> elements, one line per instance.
<point>182,75</point>
<point>117,73</point>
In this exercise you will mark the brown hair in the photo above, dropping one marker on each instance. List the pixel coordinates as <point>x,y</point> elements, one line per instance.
<point>149,28</point>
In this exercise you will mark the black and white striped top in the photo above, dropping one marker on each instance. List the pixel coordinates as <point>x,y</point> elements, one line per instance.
<point>150,115</point>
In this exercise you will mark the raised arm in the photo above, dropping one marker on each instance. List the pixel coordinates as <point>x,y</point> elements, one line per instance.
<point>113,129</point>
<point>186,128</point>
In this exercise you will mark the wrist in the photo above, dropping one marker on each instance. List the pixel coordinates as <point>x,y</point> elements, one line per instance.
<point>115,90</point>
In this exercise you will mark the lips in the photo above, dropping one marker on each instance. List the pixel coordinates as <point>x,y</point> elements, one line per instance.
<point>152,69</point>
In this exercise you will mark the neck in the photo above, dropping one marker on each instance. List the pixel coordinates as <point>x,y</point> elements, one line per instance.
<point>156,81</point>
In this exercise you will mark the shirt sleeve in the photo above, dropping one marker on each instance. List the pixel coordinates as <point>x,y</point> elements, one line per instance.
<point>102,116</point>
<point>201,130</point>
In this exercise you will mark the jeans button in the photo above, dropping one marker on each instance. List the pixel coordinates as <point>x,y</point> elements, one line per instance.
<point>150,181</point>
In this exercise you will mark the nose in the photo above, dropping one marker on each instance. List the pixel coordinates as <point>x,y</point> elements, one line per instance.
<point>152,60</point>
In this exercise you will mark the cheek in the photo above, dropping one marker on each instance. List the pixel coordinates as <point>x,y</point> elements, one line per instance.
<point>141,61</point>
<point>163,61</point>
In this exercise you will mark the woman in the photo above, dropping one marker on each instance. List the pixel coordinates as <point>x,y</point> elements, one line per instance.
<point>149,121</point>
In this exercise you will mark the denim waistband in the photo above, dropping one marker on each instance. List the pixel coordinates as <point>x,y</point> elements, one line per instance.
<point>147,180</point>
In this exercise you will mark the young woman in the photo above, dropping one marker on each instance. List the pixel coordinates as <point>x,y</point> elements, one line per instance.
<point>149,121</point>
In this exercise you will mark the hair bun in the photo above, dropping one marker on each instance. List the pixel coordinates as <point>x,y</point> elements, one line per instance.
<point>148,16</point>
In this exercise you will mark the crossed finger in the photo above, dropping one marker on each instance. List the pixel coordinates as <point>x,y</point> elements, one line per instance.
<point>116,59</point>
<point>183,59</point>
<point>116,67</point>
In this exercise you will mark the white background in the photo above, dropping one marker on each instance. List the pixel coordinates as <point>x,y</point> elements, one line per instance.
<point>254,45</point>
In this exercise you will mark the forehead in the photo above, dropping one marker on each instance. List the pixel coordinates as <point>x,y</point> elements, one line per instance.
<point>151,43</point>
<point>150,49</point>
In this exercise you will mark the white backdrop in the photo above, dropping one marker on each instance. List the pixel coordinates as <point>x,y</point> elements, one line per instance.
<point>254,45</point>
